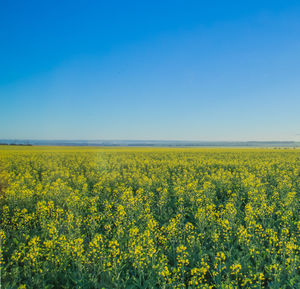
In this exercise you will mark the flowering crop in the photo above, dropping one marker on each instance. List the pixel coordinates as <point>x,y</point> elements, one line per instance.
<point>149,218</point>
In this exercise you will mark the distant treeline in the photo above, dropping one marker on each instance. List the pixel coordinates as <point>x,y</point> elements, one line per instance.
<point>14,144</point>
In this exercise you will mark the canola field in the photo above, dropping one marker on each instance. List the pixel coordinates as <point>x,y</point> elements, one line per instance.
<point>149,218</point>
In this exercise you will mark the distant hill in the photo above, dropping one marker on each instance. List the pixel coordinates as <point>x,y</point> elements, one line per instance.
<point>151,143</point>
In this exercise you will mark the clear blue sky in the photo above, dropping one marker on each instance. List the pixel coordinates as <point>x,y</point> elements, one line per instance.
<point>181,70</point>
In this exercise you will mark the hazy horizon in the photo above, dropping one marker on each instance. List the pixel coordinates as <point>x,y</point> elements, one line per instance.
<point>140,142</point>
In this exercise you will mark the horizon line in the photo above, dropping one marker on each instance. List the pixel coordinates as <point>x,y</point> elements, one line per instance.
<point>141,140</point>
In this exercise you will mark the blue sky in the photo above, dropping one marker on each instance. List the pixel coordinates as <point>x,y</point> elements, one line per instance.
<point>173,70</point>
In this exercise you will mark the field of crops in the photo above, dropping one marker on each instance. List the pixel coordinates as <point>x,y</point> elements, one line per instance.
<point>149,218</point>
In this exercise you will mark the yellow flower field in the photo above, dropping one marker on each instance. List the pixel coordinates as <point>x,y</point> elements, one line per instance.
<point>80,217</point>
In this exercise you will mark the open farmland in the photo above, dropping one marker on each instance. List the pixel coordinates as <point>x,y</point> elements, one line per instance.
<point>149,217</point>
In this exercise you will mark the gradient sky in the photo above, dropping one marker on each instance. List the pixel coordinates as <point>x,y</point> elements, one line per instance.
<point>173,70</point>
